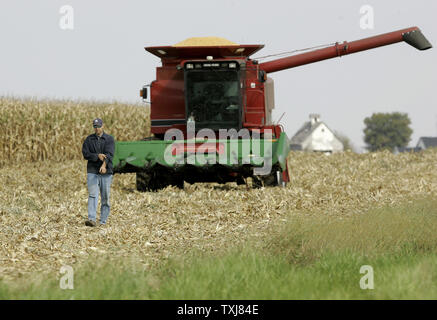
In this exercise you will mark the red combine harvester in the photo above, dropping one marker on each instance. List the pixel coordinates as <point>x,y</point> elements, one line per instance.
<point>221,88</point>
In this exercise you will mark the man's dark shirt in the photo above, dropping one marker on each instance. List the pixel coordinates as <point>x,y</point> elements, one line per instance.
<point>92,146</point>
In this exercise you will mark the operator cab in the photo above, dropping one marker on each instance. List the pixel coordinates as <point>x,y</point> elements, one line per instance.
<point>213,96</point>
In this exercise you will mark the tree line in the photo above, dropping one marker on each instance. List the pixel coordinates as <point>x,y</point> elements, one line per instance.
<point>386,131</point>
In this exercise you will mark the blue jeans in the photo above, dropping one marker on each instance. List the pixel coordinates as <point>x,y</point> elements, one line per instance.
<point>96,183</point>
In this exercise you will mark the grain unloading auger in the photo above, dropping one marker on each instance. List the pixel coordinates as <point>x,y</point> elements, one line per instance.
<point>219,88</point>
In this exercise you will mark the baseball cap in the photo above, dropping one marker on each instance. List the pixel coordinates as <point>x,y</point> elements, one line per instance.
<point>97,123</point>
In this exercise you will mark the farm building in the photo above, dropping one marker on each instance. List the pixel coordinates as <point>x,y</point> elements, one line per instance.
<point>398,150</point>
<point>427,142</point>
<point>422,144</point>
<point>316,136</point>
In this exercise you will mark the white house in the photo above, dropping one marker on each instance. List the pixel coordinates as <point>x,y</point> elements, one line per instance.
<point>316,136</point>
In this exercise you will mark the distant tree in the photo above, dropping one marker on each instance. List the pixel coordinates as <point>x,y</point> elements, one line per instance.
<point>385,131</point>
<point>347,143</point>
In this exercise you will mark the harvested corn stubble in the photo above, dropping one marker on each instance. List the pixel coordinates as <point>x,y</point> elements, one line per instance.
<point>43,206</point>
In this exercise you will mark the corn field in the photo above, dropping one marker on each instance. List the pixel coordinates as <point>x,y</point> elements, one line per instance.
<point>34,130</point>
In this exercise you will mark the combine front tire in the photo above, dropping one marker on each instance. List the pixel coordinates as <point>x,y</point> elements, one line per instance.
<point>142,181</point>
<point>154,181</point>
<point>275,178</point>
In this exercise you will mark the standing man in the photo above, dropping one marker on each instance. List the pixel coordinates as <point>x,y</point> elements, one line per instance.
<point>98,149</point>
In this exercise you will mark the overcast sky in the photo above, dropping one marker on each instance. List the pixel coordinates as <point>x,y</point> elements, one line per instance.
<point>103,57</point>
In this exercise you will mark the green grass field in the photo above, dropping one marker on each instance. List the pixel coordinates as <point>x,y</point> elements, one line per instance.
<point>306,258</point>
